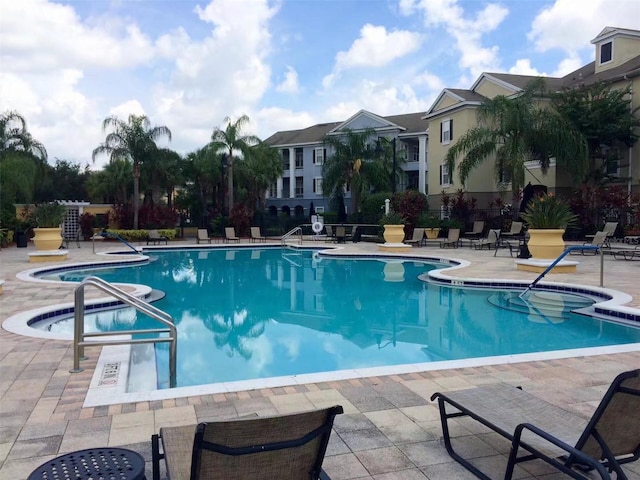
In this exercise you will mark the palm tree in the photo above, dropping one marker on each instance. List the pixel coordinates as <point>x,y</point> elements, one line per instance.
<point>513,131</point>
<point>21,158</point>
<point>231,140</point>
<point>202,171</point>
<point>134,140</point>
<point>349,165</point>
<point>261,168</point>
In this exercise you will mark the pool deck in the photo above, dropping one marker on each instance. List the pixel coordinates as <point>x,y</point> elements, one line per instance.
<point>390,429</point>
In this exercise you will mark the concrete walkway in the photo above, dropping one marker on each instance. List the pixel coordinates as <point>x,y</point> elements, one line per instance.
<point>390,429</point>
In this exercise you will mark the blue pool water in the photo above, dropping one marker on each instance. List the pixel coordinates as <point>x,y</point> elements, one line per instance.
<point>256,313</point>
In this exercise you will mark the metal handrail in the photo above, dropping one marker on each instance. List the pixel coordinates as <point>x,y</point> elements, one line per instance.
<point>290,233</point>
<point>140,305</point>
<point>564,254</point>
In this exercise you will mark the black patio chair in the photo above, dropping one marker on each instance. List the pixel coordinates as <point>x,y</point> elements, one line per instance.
<point>541,430</point>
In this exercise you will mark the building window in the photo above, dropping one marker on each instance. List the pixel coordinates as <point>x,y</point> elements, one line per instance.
<point>299,187</point>
<point>444,175</point>
<point>606,52</point>
<point>285,159</point>
<point>318,156</point>
<point>299,158</point>
<point>317,185</point>
<point>285,187</point>
<point>446,131</point>
<point>504,176</point>
<point>273,190</point>
<point>319,209</point>
<point>415,154</point>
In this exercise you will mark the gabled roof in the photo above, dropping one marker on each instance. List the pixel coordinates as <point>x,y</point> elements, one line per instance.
<point>519,82</point>
<point>408,124</point>
<point>609,32</point>
<point>371,120</point>
<point>461,96</point>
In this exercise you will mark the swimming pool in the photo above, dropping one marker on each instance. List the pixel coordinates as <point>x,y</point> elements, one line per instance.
<point>258,313</point>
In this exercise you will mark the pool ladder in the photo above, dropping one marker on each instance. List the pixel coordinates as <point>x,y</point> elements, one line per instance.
<point>80,337</point>
<point>291,233</point>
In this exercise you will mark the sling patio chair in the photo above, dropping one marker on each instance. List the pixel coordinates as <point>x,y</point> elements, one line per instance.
<point>230,235</point>
<point>490,241</point>
<point>154,238</point>
<point>330,234</point>
<point>203,236</point>
<point>452,240</point>
<point>609,228</point>
<point>476,232</point>
<point>514,231</point>
<point>281,447</point>
<point>541,430</point>
<point>599,240</point>
<point>256,236</point>
<point>416,239</point>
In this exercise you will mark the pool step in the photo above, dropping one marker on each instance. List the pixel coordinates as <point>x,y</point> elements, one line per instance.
<point>553,305</point>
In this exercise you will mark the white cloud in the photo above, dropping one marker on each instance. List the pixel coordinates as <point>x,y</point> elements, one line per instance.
<point>467,33</point>
<point>570,27</point>
<point>523,67</point>
<point>374,48</point>
<point>290,83</point>
<point>433,82</point>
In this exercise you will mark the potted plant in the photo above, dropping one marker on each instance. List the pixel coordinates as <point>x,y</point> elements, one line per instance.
<point>393,224</point>
<point>547,217</point>
<point>47,217</point>
<point>431,225</point>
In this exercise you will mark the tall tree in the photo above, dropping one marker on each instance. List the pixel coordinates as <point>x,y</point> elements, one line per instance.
<point>261,168</point>
<point>134,140</point>
<point>232,140</point>
<point>21,158</point>
<point>348,167</point>
<point>608,122</point>
<point>113,183</point>
<point>512,131</point>
<point>202,172</point>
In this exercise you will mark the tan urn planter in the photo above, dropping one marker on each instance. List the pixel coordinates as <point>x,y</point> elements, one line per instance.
<point>393,233</point>
<point>546,243</point>
<point>432,233</point>
<point>47,238</point>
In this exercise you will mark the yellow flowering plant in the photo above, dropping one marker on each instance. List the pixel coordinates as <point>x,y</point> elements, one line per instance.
<point>548,211</point>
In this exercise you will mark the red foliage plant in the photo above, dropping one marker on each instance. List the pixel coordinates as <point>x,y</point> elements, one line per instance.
<point>241,219</point>
<point>410,205</point>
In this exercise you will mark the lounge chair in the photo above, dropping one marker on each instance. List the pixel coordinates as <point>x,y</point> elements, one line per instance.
<point>230,235</point>
<point>452,240</point>
<point>154,238</point>
<point>514,231</point>
<point>256,236</point>
<point>282,447</point>
<point>330,235</point>
<point>541,430</point>
<point>490,241</point>
<point>416,239</point>
<point>627,253</point>
<point>341,234</point>
<point>476,232</point>
<point>203,236</point>
<point>610,229</point>
<point>599,240</point>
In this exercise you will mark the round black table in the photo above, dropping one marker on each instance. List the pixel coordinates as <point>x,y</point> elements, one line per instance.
<point>93,464</point>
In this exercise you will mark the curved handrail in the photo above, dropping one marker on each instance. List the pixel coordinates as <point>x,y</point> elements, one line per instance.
<point>290,233</point>
<point>140,305</point>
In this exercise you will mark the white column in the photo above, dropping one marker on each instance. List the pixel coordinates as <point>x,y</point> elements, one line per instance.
<point>292,175</point>
<point>292,289</point>
<point>422,163</point>
<point>279,188</point>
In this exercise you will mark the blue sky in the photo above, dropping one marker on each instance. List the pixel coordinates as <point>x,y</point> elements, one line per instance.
<point>287,64</point>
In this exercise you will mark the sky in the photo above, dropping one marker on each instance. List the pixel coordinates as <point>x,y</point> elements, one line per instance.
<point>65,66</point>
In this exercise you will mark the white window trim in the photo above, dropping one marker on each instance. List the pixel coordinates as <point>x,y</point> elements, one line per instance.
<point>319,154</point>
<point>442,171</point>
<point>317,185</point>
<point>446,122</point>
<point>600,53</point>
<point>319,209</point>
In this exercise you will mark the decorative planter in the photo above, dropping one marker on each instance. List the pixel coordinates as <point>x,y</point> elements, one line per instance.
<point>47,238</point>
<point>393,271</point>
<point>546,243</point>
<point>432,233</point>
<point>393,233</point>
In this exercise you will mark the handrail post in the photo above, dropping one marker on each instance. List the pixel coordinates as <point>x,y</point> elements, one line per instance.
<point>601,267</point>
<point>78,329</point>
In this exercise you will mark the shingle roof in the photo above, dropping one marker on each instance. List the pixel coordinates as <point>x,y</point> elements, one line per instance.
<point>468,95</point>
<point>552,84</point>
<point>587,74</point>
<point>411,121</point>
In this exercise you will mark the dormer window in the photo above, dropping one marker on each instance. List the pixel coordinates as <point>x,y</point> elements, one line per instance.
<point>606,52</point>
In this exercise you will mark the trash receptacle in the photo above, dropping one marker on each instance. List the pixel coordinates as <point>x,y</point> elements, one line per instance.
<point>21,239</point>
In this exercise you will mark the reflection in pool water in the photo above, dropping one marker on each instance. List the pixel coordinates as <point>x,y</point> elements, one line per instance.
<point>257,313</point>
